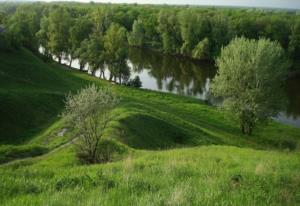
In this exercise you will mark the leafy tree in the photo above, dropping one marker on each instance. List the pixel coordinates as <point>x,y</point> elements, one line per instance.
<point>80,30</point>
<point>102,18</point>
<point>194,27</point>
<point>43,36</point>
<point>88,112</point>
<point>22,27</point>
<point>136,37</point>
<point>96,54</point>
<point>250,78</point>
<point>116,50</point>
<point>82,54</point>
<point>294,44</point>
<point>170,31</point>
<point>59,32</point>
<point>202,50</point>
<point>220,35</point>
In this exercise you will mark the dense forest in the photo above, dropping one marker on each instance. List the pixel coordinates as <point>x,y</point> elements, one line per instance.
<point>99,34</point>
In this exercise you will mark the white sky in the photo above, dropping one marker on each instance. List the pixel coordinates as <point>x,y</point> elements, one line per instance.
<point>294,4</point>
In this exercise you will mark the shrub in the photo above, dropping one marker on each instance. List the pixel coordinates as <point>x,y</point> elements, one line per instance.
<point>88,112</point>
<point>11,152</point>
<point>288,144</point>
<point>135,82</point>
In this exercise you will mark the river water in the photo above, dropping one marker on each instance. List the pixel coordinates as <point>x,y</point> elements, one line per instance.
<point>187,77</point>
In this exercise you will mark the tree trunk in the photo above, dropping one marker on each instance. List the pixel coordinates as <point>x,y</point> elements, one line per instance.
<point>103,74</point>
<point>70,64</point>
<point>81,66</point>
<point>110,77</point>
<point>59,59</point>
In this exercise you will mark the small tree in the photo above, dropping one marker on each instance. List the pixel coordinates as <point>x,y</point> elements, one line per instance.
<point>88,113</point>
<point>250,78</point>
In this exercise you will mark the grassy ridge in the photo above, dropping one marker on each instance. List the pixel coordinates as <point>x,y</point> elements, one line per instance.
<point>31,94</point>
<point>167,163</point>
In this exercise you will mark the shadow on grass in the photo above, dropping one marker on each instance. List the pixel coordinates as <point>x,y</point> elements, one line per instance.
<point>143,131</point>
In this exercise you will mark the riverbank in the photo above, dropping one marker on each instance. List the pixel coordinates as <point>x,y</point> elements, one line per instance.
<point>180,150</point>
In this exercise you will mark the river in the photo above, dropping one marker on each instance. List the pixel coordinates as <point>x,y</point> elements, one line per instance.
<point>187,77</point>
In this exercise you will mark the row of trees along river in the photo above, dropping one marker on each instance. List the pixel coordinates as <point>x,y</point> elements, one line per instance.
<point>171,48</point>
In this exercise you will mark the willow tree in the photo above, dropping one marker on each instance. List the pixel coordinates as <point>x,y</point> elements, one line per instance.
<point>59,32</point>
<point>116,51</point>
<point>250,79</point>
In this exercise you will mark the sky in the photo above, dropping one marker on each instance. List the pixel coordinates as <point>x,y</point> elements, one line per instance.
<point>293,4</point>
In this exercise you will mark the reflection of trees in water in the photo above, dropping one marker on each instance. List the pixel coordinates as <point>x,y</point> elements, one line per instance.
<point>293,95</point>
<point>177,74</point>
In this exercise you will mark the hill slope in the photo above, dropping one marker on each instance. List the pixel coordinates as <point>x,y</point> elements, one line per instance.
<point>31,94</point>
<point>185,173</point>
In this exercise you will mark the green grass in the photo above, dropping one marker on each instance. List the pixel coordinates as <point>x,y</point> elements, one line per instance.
<point>207,175</point>
<point>31,94</point>
<point>181,151</point>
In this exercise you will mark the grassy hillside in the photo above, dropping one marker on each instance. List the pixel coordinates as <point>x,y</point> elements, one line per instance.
<point>31,94</point>
<point>172,160</point>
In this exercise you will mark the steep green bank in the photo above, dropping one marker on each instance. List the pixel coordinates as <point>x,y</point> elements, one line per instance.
<point>167,163</point>
<point>31,94</point>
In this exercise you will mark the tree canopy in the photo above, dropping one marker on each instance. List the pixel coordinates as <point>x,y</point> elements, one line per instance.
<point>250,79</point>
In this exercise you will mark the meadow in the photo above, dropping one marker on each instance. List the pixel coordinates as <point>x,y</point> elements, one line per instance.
<point>178,150</point>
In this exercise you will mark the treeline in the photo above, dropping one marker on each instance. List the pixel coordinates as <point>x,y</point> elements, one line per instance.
<point>99,34</point>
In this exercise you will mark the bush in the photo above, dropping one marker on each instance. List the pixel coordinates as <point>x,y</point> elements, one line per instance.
<point>288,144</point>
<point>136,82</point>
<point>88,112</point>
<point>107,151</point>
<point>11,152</point>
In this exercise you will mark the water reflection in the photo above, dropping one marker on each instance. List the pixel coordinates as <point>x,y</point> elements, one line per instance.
<point>172,74</point>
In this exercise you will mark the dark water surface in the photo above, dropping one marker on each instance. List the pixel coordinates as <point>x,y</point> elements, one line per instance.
<point>184,76</point>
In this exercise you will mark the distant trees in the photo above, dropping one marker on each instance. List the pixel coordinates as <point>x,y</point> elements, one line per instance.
<point>116,51</point>
<point>22,27</point>
<point>136,37</point>
<point>198,33</point>
<point>79,31</point>
<point>250,78</point>
<point>88,112</point>
<point>170,31</point>
<point>294,44</point>
<point>59,22</point>
<point>202,50</point>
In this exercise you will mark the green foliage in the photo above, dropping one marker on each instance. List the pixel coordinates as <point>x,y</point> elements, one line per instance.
<point>250,78</point>
<point>170,31</point>
<point>23,25</point>
<point>79,31</point>
<point>148,122</point>
<point>135,82</point>
<point>116,51</point>
<point>88,113</point>
<point>233,176</point>
<point>31,94</point>
<point>202,50</point>
<point>12,152</point>
<point>59,32</point>
<point>294,45</point>
<point>173,30</point>
<point>136,37</point>
<point>194,27</point>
